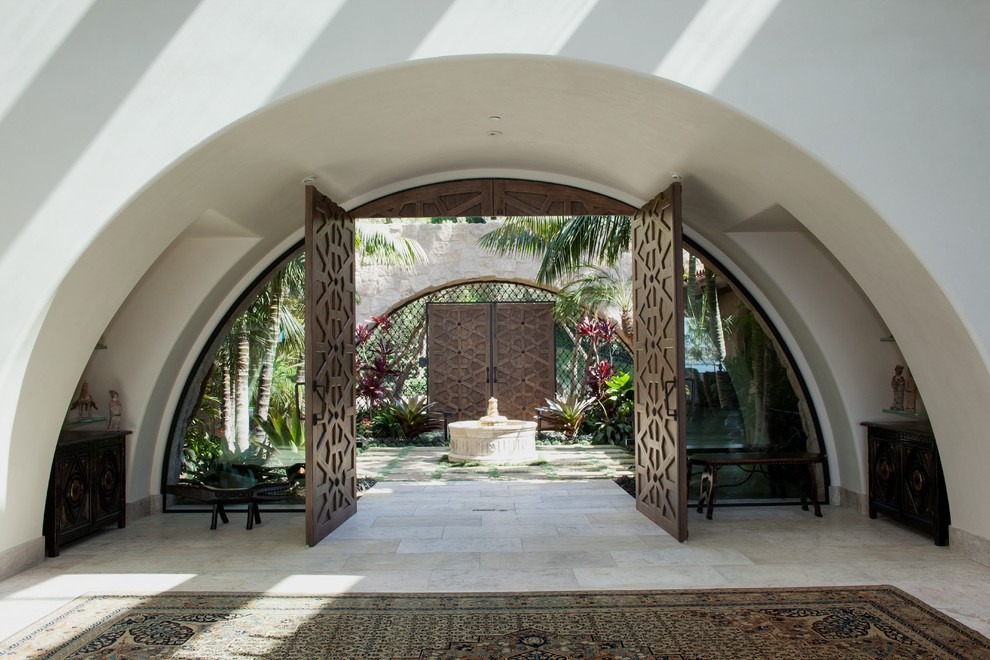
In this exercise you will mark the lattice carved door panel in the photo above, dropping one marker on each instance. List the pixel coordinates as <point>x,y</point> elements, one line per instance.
<point>479,350</point>
<point>331,471</point>
<point>523,371</point>
<point>458,353</point>
<point>661,458</point>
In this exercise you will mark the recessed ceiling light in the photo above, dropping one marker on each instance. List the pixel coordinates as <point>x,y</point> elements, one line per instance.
<point>495,118</point>
<point>494,133</point>
<point>676,177</point>
<point>309,179</point>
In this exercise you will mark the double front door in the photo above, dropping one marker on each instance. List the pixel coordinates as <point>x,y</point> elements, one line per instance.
<point>480,350</point>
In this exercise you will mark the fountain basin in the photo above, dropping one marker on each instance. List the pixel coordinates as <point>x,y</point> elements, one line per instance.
<point>513,441</point>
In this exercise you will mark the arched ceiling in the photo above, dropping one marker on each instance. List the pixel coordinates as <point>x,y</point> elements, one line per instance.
<point>591,126</point>
<point>606,130</point>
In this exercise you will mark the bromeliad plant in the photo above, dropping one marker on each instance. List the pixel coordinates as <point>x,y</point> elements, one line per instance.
<point>567,415</point>
<point>407,417</point>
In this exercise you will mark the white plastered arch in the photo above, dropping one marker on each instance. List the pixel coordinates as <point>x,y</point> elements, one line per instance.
<point>185,245</point>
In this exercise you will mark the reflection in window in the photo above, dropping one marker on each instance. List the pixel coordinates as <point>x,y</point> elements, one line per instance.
<point>742,392</point>
<point>246,426</point>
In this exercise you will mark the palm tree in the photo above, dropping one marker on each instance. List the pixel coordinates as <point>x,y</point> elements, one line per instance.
<point>565,244</point>
<point>603,292</point>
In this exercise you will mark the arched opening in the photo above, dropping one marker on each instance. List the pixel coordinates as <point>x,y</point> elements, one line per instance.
<point>762,403</point>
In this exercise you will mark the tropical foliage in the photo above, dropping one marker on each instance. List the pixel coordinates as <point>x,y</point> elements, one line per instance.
<point>248,403</point>
<point>405,417</point>
<point>611,421</point>
<point>566,414</point>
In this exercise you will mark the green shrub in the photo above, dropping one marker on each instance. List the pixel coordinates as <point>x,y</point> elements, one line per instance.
<point>611,422</point>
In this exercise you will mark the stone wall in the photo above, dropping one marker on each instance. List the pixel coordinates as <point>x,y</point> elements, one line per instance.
<point>453,256</point>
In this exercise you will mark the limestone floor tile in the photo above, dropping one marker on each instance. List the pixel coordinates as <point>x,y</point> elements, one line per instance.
<point>427,521</point>
<point>461,545</point>
<point>589,504</point>
<point>388,508</point>
<point>401,533</point>
<point>333,546</point>
<point>458,510</point>
<point>355,582</point>
<point>650,577</point>
<point>597,518</point>
<point>807,573</point>
<point>570,543</point>
<point>312,562</point>
<point>551,559</point>
<point>502,580</point>
<point>946,570</point>
<point>678,556</point>
<point>413,561</point>
<point>498,531</point>
<point>504,518</point>
<point>645,528</point>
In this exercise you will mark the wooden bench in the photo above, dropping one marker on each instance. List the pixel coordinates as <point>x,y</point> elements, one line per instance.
<point>712,462</point>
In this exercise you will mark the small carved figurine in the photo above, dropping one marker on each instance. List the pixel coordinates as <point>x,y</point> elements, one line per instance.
<point>910,393</point>
<point>897,384</point>
<point>84,402</point>
<point>116,409</point>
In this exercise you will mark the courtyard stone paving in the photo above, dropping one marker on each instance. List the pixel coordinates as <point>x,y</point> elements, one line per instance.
<point>554,462</point>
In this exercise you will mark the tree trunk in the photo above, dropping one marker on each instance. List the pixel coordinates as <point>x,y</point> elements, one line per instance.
<point>626,329</point>
<point>759,397</point>
<point>713,322</point>
<point>229,409</point>
<point>242,391</point>
<point>263,402</point>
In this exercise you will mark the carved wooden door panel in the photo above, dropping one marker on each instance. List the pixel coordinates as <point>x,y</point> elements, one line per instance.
<point>661,457</point>
<point>331,471</point>
<point>523,372</point>
<point>458,353</point>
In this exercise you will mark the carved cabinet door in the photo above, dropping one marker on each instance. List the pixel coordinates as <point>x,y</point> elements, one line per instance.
<point>458,354</point>
<point>658,301</point>
<point>523,373</point>
<point>331,436</point>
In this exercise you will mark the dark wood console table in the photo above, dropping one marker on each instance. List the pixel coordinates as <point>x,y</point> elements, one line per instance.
<point>86,486</point>
<point>710,464</point>
<point>906,478</point>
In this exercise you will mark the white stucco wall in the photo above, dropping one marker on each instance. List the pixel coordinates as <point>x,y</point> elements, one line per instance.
<point>865,122</point>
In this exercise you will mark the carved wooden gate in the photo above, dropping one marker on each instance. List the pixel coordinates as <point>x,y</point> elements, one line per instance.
<point>458,345</point>
<point>523,364</point>
<point>661,457</point>
<point>479,350</point>
<point>331,472</point>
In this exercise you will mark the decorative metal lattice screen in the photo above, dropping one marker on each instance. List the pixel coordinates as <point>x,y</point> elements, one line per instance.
<point>407,334</point>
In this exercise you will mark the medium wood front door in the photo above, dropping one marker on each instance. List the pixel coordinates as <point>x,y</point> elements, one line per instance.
<point>658,301</point>
<point>331,436</point>
<point>480,350</point>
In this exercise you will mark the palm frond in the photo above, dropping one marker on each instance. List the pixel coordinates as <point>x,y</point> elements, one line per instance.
<point>522,236</point>
<point>586,239</point>
<point>378,246</point>
<point>595,291</point>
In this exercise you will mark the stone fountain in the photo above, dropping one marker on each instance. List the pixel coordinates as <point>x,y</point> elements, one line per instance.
<point>493,439</point>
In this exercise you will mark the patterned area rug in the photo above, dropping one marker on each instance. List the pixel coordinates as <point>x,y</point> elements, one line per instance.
<point>849,622</point>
